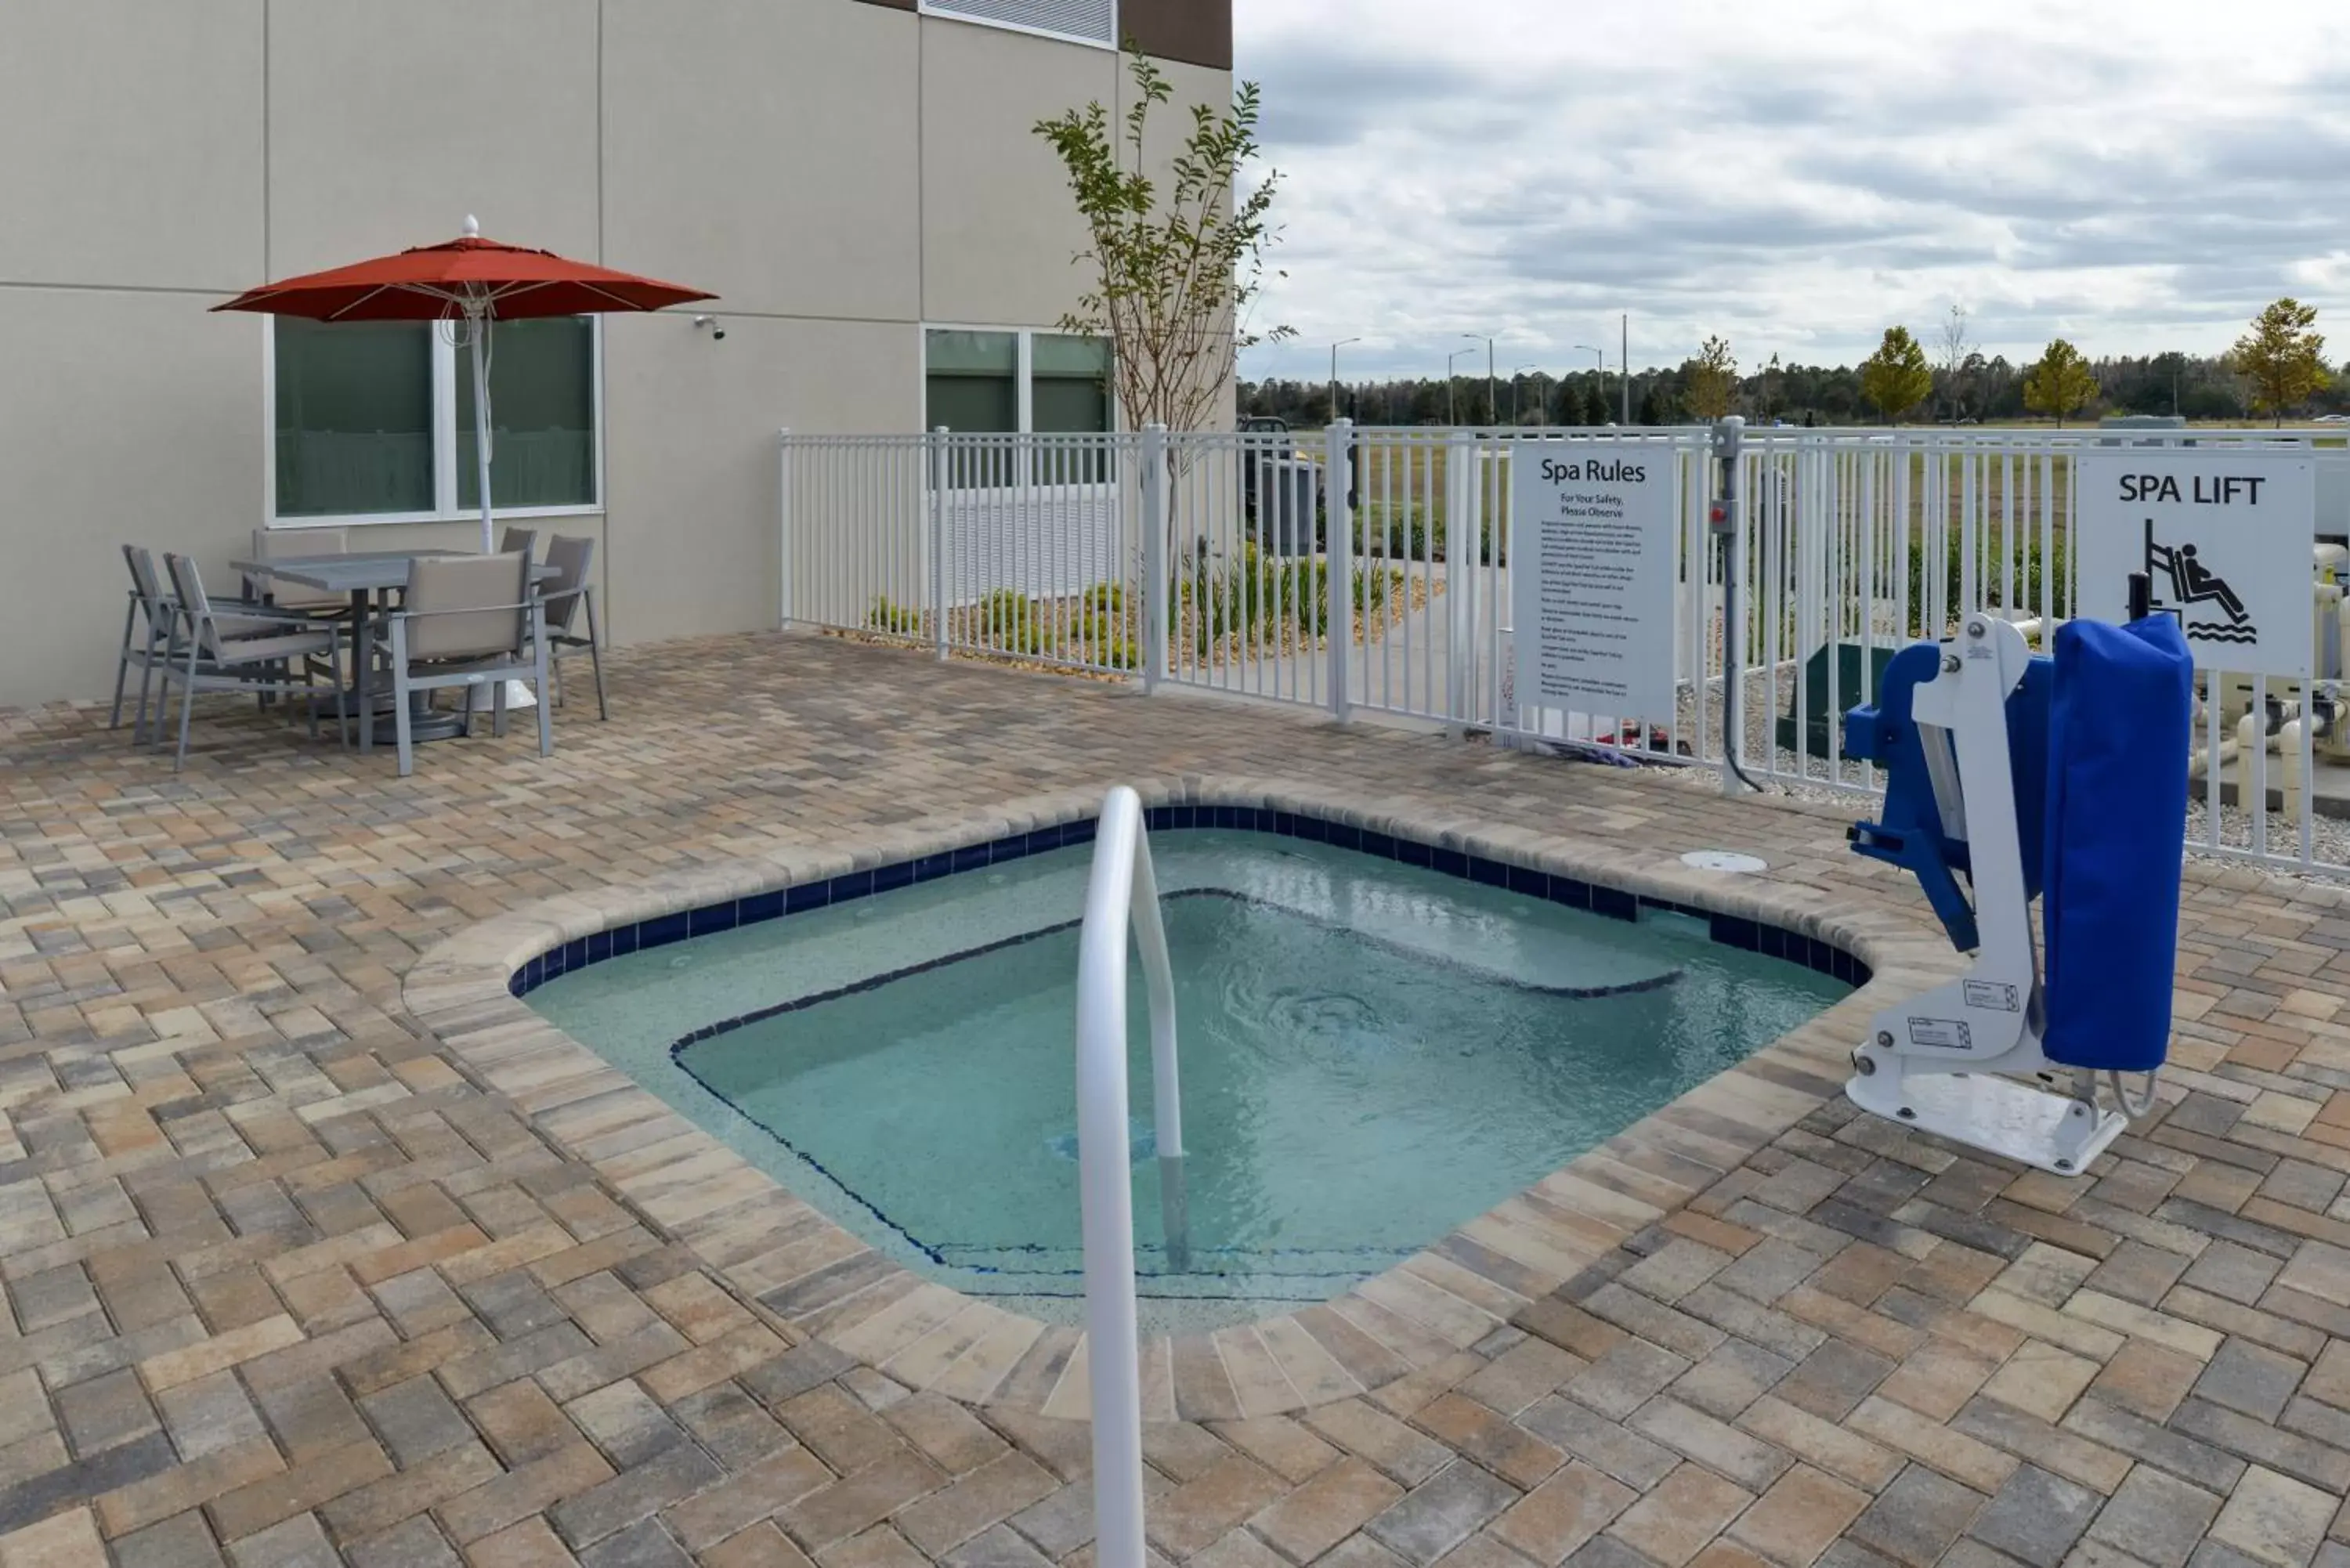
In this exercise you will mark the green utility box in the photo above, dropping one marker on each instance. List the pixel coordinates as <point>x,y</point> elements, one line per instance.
<point>1816,719</point>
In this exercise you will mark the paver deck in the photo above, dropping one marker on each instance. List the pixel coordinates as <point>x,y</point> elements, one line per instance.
<point>295,1269</point>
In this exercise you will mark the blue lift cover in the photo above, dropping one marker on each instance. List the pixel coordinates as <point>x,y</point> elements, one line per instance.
<point>2119,731</point>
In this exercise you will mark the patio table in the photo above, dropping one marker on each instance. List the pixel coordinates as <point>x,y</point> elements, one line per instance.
<point>369,576</point>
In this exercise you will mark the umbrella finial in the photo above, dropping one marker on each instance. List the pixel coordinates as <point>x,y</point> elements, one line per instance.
<point>472,227</point>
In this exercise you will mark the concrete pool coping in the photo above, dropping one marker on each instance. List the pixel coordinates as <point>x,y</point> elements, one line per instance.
<point>1414,1318</point>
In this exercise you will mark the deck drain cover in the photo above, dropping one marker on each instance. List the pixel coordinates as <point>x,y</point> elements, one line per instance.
<point>1725,860</point>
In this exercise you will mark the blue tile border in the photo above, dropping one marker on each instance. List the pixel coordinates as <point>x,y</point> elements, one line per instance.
<point>1729,930</point>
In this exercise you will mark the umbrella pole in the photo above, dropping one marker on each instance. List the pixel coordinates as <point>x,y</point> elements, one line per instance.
<point>517,694</point>
<point>479,320</point>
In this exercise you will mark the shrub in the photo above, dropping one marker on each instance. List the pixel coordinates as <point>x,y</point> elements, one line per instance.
<point>893,618</point>
<point>1257,600</point>
<point>1008,623</point>
<point>2027,574</point>
<point>1412,535</point>
<point>1104,635</point>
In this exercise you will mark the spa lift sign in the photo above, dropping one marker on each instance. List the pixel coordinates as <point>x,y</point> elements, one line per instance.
<point>2223,538</point>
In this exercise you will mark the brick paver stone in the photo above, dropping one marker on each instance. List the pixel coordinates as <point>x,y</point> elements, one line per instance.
<point>1803,1513</point>
<point>1440,1514</point>
<point>2036,1517</point>
<point>1325,1510</point>
<point>2274,1519</point>
<point>1914,1521</point>
<point>2155,1518</point>
<point>1682,1515</point>
<point>1557,1517</point>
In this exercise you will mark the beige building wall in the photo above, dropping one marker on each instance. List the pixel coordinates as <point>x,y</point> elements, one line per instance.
<point>839,174</point>
<point>135,184</point>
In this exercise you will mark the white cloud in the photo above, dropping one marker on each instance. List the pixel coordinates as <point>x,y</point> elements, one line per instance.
<point>2135,177</point>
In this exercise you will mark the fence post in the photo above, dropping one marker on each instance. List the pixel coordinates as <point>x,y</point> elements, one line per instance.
<point>1726,516</point>
<point>784,528</point>
<point>1463,502</point>
<point>1338,555</point>
<point>939,477</point>
<point>1155,604</point>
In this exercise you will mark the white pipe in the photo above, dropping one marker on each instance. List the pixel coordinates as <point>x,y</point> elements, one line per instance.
<point>2252,740</point>
<point>2196,760</point>
<point>2295,715</point>
<point>1122,891</point>
<point>2288,746</point>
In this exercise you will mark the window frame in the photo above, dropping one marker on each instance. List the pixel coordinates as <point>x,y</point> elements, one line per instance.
<point>1024,373</point>
<point>1024,395</point>
<point>447,363</point>
<point>928,8</point>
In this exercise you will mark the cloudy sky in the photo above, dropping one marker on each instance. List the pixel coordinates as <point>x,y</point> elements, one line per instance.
<point>2133,176</point>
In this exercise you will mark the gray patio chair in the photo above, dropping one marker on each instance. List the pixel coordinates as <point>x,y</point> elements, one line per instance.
<point>282,544</point>
<point>517,541</point>
<point>564,595</point>
<point>205,656</point>
<point>153,608</point>
<point>468,620</point>
<point>151,605</point>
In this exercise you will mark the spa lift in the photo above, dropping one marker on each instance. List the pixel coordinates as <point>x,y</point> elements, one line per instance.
<point>2062,778</point>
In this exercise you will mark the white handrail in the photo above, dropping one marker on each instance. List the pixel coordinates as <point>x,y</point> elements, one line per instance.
<point>1122,891</point>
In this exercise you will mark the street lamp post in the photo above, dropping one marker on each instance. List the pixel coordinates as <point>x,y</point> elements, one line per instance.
<point>1601,355</point>
<point>1451,413</point>
<point>1334,375</point>
<point>1492,379</point>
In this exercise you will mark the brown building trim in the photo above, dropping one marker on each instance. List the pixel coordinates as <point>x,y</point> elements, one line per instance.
<point>1196,32</point>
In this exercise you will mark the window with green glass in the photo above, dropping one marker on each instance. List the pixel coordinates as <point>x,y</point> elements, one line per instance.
<point>542,416</point>
<point>1019,383</point>
<point>354,418</point>
<point>361,406</point>
<point>972,382</point>
<point>1069,379</point>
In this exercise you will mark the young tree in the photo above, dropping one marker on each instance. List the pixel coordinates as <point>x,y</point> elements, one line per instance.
<point>1896,378</point>
<point>1955,350</point>
<point>2061,384</point>
<point>2282,356</point>
<point>1175,264</point>
<point>1712,379</point>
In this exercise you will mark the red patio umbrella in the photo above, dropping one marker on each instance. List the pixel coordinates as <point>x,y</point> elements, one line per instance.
<point>470,280</point>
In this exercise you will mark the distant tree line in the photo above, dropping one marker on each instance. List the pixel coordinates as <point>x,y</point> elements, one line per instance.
<point>2277,370</point>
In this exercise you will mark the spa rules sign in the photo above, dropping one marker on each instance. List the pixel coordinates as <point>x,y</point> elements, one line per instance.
<point>2223,538</point>
<point>1591,572</point>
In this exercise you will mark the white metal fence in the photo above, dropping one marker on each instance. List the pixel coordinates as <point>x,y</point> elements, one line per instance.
<point>1390,592</point>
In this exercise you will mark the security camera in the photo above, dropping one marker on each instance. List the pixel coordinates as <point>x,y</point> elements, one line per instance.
<point>717,333</point>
